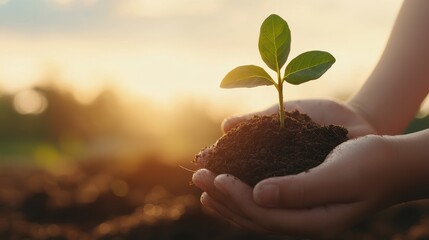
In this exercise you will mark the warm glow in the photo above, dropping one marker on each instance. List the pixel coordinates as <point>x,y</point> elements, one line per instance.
<point>104,105</point>
<point>163,50</point>
<point>29,102</point>
<point>166,49</point>
<point>164,8</point>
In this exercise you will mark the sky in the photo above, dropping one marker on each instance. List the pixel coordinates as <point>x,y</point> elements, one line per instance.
<point>169,49</point>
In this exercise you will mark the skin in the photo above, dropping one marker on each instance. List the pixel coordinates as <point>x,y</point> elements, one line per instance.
<point>331,197</point>
<point>378,168</point>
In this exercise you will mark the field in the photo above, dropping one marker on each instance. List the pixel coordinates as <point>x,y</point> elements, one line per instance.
<point>62,176</point>
<point>97,199</point>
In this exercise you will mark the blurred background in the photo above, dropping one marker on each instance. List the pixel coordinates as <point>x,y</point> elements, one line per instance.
<point>103,101</point>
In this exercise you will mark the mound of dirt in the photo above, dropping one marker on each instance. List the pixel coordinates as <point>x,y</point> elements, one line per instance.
<point>258,148</point>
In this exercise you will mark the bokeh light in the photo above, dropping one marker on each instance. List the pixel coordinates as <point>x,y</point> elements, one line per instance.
<point>30,102</point>
<point>119,187</point>
<point>45,155</point>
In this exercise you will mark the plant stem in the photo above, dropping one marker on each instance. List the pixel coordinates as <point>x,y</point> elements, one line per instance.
<point>281,108</point>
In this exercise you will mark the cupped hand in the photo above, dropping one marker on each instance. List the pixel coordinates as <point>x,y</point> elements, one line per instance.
<point>247,207</point>
<point>322,111</point>
<point>353,182</point>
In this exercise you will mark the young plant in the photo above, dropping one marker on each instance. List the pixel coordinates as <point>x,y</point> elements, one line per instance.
<point>274,47</point>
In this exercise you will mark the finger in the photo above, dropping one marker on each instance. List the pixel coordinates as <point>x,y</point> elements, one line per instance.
<point>316,110</point>
<point>231,122</point>
<point>224,212</point>
<point>227,183</point>
<point>242,193</point>
<point>204,179</point>
<point>332,182</point>
<point>300,191</point>
<point>345,116</point>
<point>323,220</point>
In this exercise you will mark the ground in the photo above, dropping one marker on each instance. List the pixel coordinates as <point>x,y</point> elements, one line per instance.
<point>96,199</point>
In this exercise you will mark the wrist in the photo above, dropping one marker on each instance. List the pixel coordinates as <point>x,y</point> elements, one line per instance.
<point>410,160</point>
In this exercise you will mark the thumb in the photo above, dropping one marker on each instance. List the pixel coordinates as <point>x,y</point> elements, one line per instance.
<point>231,122</point>
<point>319,186</point>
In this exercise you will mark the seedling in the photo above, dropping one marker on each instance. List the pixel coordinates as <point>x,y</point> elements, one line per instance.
<point>274,47</point>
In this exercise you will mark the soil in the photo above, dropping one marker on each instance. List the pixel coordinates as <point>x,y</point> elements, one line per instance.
<point>79,204</point>
<point>258,148</point>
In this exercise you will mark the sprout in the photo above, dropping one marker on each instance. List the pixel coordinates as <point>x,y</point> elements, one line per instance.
<point>274,47</point>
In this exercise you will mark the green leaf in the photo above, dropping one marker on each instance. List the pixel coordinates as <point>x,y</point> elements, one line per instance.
<point>247,76</point>
<point>274,42</point>
<point>308,66</point>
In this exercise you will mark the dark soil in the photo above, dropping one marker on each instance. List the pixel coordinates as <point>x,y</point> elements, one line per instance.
<point>258,148</point>
<point>160,204</point>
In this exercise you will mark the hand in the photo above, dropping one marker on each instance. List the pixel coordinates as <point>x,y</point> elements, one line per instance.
<point>357,178</point>
<point>322,111</point>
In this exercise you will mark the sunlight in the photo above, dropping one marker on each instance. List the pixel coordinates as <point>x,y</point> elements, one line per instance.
<point>164,8</point>
<point>30,102</point>
<point>20,68</point>
<point>166,49</point>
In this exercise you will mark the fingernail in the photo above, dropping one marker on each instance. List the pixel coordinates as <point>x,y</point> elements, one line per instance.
<point>197,179</point>
<point>220,182</point>
<point>203,198</point>
<point>267,195</point>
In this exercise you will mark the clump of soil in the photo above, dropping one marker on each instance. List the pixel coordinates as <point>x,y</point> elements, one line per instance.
<point>258,148</point>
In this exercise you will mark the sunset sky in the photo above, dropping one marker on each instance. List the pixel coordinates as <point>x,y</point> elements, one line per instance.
<point>168,49</point>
